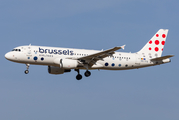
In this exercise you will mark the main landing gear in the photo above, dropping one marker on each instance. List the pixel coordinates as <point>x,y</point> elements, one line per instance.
<point>79,76</point>
<point>87,73</point>
<point>27,71</point>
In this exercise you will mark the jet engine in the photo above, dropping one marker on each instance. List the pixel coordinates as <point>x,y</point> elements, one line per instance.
<point>66,63</point>
<point>57,70</point>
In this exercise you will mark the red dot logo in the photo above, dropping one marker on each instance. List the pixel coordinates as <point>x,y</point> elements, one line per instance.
<point>156,49</point>
<point>156,42</point>
<point>150,42</point>
<point>163,35</point>
<point>163,42</point>
<point>157,35</point>
<point>150,48</point>
<point>162,49</point>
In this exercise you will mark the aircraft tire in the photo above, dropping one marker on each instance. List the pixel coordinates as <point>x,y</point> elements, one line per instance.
<point>87,73</point>
<point>79,77</point>
<point>26,71</point>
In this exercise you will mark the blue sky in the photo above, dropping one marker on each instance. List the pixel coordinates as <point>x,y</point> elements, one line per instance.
<point>147,93</point>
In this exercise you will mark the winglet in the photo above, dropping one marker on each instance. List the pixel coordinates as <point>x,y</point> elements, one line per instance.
<point>123,47</point>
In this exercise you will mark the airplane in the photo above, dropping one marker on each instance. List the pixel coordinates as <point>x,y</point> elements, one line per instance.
<point>62,60</point>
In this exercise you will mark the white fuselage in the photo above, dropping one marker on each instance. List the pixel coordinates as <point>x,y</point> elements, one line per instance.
<point>41,55</point>
<point>60,60</point>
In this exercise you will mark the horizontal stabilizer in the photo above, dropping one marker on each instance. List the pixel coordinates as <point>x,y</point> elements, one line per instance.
<point>161,58</point>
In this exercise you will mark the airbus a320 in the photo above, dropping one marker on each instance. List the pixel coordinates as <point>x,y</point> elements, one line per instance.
<point>62,60</point>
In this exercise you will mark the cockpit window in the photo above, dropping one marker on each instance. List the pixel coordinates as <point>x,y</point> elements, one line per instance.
<point>16,50</point>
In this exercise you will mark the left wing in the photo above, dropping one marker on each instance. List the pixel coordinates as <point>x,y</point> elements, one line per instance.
<point>93,58</point>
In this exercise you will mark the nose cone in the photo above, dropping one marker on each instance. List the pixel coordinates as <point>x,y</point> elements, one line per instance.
<point>8,56</point>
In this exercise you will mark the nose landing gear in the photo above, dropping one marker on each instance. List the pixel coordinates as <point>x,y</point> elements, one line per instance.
<point>27,71</point>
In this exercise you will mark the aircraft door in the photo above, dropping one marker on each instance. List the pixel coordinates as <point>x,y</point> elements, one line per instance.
<point>29,50</point>
<point>138,59</point>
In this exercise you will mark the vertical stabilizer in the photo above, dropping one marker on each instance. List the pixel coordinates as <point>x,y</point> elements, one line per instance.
<point>155,46</point>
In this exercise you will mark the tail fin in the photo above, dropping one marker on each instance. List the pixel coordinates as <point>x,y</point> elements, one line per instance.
<point>155,46</point>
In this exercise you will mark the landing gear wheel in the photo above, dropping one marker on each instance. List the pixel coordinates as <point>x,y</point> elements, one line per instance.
<point>26,71</point>
<point>79,77</point>
<point>87,73</point>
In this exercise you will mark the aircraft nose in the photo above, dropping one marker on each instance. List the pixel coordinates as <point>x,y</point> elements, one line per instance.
<point>8,56</point>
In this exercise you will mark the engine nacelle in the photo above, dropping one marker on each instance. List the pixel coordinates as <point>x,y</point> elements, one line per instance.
<point>57,70</point>
<point>66,63</point>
